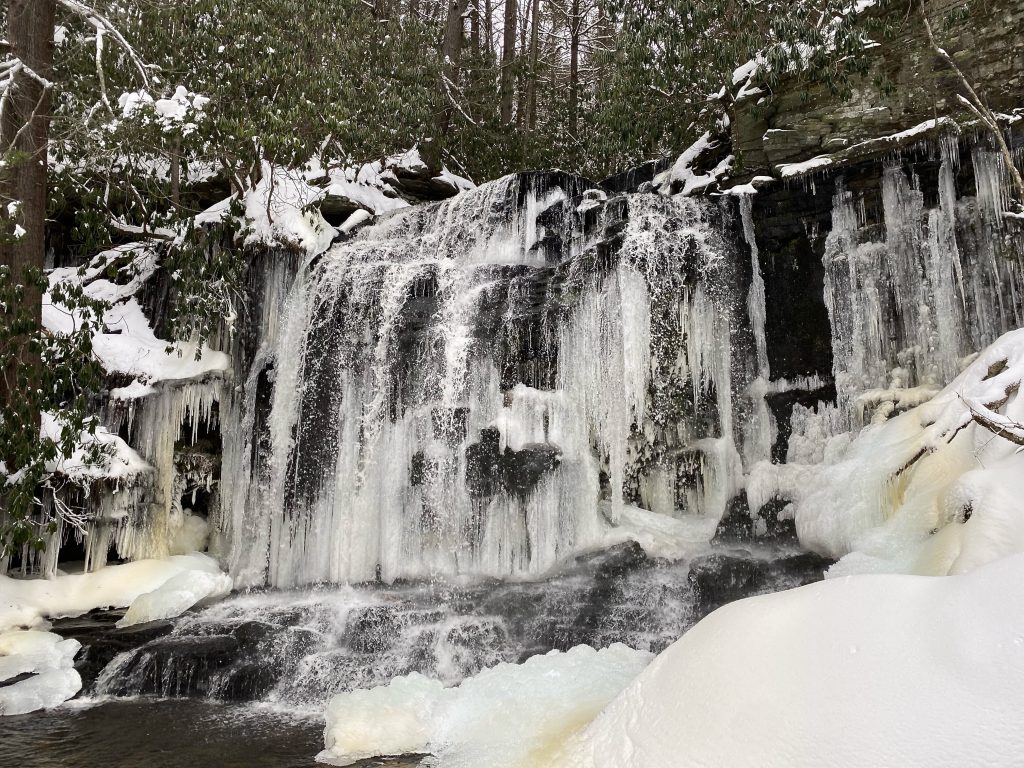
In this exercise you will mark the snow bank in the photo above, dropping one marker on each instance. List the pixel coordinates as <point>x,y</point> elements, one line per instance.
<point>508,715</point>
<point>24,602</point>
<point>867,671</point>
<point>49,659</point>
<point>929,491</point>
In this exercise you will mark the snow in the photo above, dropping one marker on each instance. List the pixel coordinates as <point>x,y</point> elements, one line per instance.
<point>928,491</point>
<point>133,391</point>
<point>177,595</point>
<point>507,716</point>
<point>357,217</point>
<point>289,218</point>
<point>865,671</point>
<point>790,170</point>
<point>24,602</point>
<point>121,463</point>
<point>181,111</point>
<point>49,659</point>
<point>129,345</point>
<point>682,174</point>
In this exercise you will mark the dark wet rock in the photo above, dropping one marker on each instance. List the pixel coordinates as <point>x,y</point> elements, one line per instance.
<point>633,179</point>
<point>249,681</point>
<point>374,629</point>
<point>101,640</point>
<point>489,469</point>
<point>14,680</point>
<point>771,523</point>
<point>720,578</point>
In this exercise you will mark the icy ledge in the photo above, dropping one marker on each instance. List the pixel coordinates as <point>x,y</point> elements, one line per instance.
<point>150,589</point>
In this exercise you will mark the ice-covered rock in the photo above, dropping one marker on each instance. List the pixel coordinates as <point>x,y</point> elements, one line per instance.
<point>177,595</point>
<point>36,671</point>
<point>24,602</point>
<point>507,716</point>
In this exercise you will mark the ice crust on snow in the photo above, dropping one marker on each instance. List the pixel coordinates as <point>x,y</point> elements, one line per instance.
<point>48,658</point>
<point>866,671</point>
<point>507,716</point>
<point>186,590</point>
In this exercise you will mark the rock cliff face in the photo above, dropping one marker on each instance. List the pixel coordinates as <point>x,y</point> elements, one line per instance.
<point>906,85</point>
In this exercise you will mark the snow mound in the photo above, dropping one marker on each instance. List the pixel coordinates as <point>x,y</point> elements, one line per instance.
<point>508,715</point>
<point>24,602</point>
<point>929,491</point>
<point>866,671</point>
<point>48,659</point>
<point>177,595</point>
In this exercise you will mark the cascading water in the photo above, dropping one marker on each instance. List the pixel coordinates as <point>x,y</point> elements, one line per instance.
<point>479,387</point>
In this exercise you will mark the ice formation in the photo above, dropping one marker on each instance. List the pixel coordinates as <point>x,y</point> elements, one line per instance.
<point>920,487</point>
<point>928,491</point>
<point>455,388</point>
<point>508,716</point>
<point>873,670</point>
<point>36,671</point>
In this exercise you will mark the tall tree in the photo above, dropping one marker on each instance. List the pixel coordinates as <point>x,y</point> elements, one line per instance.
<point>451,56</point>
<point>508,53</point>
<point>24,137</point>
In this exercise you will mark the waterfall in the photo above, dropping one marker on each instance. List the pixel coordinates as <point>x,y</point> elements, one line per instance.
<point>480,386</point>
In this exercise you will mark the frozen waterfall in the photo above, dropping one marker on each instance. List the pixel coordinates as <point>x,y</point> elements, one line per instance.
<point>479,386</point>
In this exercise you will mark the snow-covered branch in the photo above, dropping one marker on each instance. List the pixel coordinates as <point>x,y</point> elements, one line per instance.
<point>104,26</point>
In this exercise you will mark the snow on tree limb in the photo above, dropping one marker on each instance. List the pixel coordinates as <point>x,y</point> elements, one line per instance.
<point>104,26</point>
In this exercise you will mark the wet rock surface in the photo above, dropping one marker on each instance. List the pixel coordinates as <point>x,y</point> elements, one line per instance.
<point>299,648</point>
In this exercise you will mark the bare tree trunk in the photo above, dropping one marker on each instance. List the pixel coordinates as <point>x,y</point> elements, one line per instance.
<point>474,27</point>
<point>489,25</point>
<point>508,52</point>
<point>176,174</point>
<point>575,26</point>
<point>451,53</point>
<point>531,86</point>
<point>24,136</point>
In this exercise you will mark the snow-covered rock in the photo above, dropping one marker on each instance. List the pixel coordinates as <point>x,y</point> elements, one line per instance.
<point>866,671</point>
<point>47,660</point>
<point>929,491</point>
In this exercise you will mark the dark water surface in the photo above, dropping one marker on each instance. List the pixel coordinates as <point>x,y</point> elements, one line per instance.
<point>153,733</point>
